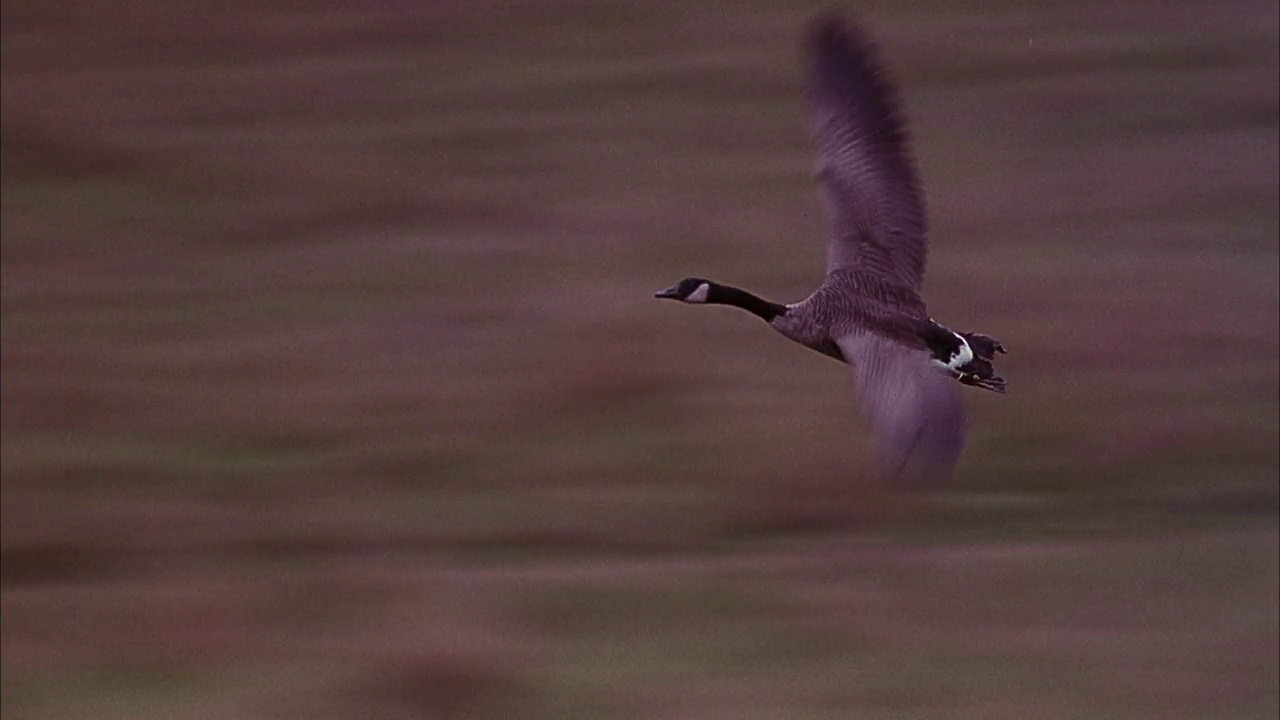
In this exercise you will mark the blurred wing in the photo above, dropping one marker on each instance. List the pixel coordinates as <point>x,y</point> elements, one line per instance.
<point>864,163</point>
<point>913,408</point>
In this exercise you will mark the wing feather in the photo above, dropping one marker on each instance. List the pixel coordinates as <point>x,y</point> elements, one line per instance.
<point>913,408</point>
<point>865,168</point>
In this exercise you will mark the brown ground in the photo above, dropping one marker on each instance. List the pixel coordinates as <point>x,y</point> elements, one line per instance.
<point>333,387</point>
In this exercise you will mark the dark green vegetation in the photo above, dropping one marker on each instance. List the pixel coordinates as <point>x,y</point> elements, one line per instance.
<point>333,385</point>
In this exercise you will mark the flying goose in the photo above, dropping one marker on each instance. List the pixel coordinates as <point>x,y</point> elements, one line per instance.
<point>868,311</point>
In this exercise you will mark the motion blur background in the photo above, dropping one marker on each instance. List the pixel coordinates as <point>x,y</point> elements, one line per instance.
<point>333,385</point>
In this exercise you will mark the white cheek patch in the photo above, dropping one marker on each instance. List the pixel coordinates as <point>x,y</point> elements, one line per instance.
<point>699,295</point>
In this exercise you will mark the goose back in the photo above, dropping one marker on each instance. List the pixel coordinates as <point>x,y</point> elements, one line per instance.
<point>853,300</point>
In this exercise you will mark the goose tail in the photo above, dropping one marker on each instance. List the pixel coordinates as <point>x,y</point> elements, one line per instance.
<point>984,347</point>
<point>979,372</point>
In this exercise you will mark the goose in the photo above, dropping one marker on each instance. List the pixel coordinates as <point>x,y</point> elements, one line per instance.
<point>868,311</point>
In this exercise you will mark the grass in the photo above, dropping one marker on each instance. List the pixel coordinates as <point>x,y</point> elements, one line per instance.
<point>332,384</point>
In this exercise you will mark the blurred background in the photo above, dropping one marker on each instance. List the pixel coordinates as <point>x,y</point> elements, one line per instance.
<point>333,385</point>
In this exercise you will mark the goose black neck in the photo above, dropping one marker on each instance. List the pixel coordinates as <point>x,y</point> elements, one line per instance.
<point>737,297</point>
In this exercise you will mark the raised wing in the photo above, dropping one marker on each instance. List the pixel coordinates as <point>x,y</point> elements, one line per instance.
<point>864,163</point>
<point>912,407</point>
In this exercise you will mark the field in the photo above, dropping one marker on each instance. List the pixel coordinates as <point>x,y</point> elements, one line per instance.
<point>333,385</point>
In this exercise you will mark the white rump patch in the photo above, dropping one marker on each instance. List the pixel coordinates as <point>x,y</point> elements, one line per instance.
<point>963,356</point>
<point>699,295</point>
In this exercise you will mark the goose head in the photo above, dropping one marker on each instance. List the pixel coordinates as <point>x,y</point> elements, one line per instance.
<point>689,290</point>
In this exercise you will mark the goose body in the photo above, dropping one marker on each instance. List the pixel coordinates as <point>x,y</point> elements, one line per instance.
<point>868,311</point>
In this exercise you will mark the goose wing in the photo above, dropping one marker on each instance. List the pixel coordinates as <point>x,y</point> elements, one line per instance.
<point>913,408</point>
<point>865,168</point>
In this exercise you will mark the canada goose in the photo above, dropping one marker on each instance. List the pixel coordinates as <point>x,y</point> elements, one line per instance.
<point>868,312</point>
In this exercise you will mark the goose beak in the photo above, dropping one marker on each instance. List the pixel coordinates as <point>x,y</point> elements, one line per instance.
<point>672,292</point>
